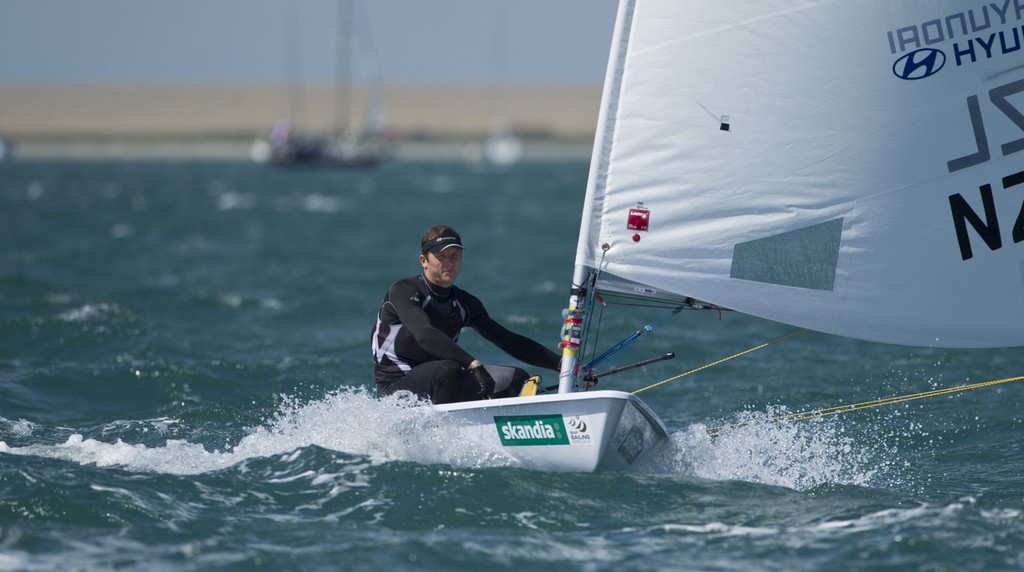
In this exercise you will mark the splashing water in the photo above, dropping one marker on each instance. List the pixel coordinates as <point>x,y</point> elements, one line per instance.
<point>400,428</point>
<point>757,448</point>
<point>352,421</point>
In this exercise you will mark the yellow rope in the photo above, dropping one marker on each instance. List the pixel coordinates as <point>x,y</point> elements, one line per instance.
<point>817,413</point>
<point>824,412</point>
<point>723,360</point>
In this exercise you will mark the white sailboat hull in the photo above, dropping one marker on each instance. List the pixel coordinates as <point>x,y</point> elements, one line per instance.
<point>573,432</point>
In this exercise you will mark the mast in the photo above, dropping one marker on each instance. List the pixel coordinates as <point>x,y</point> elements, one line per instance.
<point>294,108</point>
<point>343,72</point>
<point>577,311</point>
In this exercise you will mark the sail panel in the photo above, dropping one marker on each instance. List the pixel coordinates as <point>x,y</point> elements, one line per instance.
<point>849,166</point>
<point>805,257</point>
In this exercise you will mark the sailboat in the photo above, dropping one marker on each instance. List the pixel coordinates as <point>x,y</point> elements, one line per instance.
<point>343,146</point>
<point>853,167</point>
<point>501,147</point>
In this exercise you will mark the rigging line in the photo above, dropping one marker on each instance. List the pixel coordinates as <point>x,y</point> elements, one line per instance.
<point>588,305</point>
<point>723,360</point>
<point>597,331</point>
<point>824,412</point>
<point>631,339</point>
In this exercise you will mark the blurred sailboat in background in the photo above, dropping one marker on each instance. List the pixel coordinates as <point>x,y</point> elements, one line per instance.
<point>344,145</point>
<point>501,147</point>
<point>6,148</point>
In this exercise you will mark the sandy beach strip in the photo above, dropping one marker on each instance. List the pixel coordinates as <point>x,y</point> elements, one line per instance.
<point>246,110</point>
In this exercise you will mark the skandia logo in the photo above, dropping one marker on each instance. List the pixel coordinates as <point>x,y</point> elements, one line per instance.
<point>522,430</point>
<point>919,64</point>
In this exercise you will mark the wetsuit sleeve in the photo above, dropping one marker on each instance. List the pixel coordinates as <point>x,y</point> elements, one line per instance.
<point>415,320</point>
<point>518,346</point>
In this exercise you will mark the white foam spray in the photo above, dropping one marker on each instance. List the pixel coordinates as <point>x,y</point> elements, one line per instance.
<point>400,428</point>
<point>756,447</point>
<point>353,421</point>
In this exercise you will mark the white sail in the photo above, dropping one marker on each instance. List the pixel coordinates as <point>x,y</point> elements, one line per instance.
<point>849,166</point>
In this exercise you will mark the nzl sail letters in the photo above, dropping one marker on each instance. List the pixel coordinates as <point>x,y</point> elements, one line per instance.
<point>988,229</point>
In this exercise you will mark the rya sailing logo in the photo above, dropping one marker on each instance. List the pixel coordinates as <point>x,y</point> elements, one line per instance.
<point>919,64</point>
<point>578,434</point>
<point>578,424</point>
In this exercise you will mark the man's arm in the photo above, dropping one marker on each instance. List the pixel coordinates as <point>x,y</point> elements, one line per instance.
<point>518,346</point>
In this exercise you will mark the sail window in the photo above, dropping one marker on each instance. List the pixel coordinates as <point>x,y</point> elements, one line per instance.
<point>804,258</point>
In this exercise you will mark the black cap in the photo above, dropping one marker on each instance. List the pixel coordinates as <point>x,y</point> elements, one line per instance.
<point>440,243</point>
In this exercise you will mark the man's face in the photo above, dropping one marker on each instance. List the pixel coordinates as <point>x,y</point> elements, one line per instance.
<point>443,268</point>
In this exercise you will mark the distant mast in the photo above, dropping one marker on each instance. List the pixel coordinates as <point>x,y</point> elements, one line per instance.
<point>343,71</point>
<point>501,147</point>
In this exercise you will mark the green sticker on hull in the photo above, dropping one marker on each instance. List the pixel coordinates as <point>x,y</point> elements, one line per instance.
<point>521,430</point>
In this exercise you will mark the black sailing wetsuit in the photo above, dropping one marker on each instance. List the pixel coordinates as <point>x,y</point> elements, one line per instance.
<point>415,339</point>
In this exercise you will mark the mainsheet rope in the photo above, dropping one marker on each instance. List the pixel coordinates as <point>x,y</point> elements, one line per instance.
<point>827,411</point>
<point>721,361</point>
<point>818,413</point>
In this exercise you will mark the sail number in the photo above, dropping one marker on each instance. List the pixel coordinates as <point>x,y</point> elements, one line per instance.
<point>1000,97</point>
<point>987,228</point>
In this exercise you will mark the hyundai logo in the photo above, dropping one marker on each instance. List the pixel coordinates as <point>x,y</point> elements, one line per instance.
<point>919,64</point>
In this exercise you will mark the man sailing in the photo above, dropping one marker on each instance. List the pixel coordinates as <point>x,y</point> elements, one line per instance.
<point>415,339</point>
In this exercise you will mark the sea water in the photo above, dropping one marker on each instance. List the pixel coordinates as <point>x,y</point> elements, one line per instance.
<point>186,384</point>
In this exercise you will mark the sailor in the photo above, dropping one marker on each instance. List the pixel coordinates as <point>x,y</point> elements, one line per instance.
<point>415,339</point>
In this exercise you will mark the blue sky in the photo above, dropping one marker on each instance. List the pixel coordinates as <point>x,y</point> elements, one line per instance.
<point>230,41</point>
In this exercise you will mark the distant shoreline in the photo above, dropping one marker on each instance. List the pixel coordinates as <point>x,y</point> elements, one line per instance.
<point>175,112</point>
<point>238,149</point>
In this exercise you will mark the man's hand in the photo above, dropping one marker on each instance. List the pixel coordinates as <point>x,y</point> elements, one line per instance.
<point>483,378</point>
